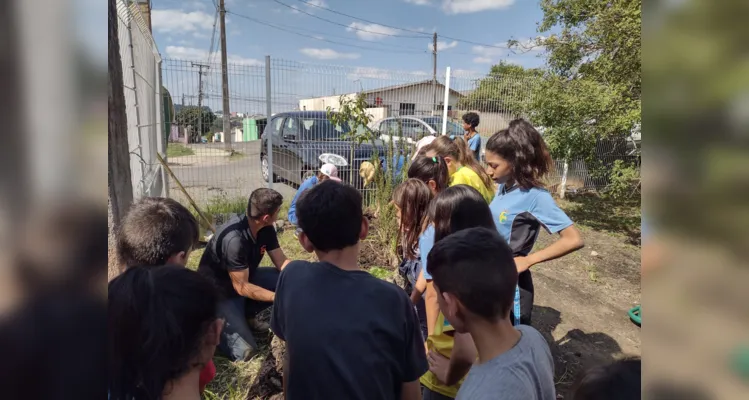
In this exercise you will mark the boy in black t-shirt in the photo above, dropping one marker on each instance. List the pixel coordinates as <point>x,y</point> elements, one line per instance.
<point>348,334</point>
<point>231,260</point>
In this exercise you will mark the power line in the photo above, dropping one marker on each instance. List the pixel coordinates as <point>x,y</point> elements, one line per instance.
<point>426,35</point>
<point>323,39</point>
<point>421,36</point>
<point>213,36</point>
<point>377,23</point>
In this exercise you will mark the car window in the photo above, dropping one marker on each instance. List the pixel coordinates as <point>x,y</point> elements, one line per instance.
<point>291,127</point>
<point>414,129</point>
<point>389,127</point>
<point>275,126</point>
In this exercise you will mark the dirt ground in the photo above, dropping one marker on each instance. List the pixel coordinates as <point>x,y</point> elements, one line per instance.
<point>581,300</point>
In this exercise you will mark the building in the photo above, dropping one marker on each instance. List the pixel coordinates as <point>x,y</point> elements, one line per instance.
<point>417,98</point>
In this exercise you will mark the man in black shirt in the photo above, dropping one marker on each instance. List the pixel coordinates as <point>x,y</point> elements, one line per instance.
<point>231,261</point>
<point>348,334</point>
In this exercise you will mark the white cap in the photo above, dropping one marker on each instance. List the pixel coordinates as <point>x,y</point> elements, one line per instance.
<point>330,171</point>
<point>423,142</point>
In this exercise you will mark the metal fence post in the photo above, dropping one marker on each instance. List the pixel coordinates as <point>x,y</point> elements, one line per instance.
<point>267,122</point>
<point>161,143</point>
<point>141,186</point>
<point>447,99</point>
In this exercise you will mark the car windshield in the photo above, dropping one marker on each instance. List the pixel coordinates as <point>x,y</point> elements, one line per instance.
<point>323,129</point>
<point>453,128</point>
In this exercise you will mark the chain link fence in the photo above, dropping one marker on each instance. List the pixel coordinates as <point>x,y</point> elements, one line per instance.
<point>141,70</point>
<point>289,147</point>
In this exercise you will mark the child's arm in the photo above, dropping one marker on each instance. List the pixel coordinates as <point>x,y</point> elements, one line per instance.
<point>432,307</point>
<point>419,288</point>
<point>411,390</point>
<point>569,241</point>
<point>451,371</point>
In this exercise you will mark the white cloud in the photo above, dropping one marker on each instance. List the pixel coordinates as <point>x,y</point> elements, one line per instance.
<point>385,74</point>
<point>370,32</point>
<point>420,2</point>
<point>178,21</point>
<point>482,60</point>
<point>309,6</point>
<point>328,54</point>
<point>464,73</point>
<point>442,45</point>
<point>484,51</point>
<point>472,6</point>
<point>195,54</point>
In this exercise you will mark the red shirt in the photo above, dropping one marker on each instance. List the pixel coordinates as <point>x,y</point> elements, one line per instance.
<point>207,375</point>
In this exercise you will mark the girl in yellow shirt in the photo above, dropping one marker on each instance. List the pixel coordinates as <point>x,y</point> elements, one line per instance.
<point>462,166</point>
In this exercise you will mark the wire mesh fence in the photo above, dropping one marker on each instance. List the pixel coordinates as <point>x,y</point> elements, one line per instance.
<point>290,146</point>
<point>141,66</point>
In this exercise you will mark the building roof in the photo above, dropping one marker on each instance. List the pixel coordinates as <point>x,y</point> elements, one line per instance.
<point>406,85</point>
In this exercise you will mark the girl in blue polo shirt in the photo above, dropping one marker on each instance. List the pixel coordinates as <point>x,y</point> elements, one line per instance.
<point>517,159</point>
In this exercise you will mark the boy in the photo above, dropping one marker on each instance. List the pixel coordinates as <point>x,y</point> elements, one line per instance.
<point>470,122</point>
<point>232,259</point>
<point>327,171</point>
<point>474,275</point>
<point>158,231</point>
<point>348,334</point>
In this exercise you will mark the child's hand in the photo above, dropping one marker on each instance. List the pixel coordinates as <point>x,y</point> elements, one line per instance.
<point>522,264</point>
<point>439,365</point>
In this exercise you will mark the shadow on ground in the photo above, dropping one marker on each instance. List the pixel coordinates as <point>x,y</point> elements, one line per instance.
<point>620,217</point>
<point>576,351</point>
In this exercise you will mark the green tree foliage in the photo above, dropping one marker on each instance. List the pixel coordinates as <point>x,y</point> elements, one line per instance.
<point>189,116</point>
<point>508,89</point>
<point>593,86</point>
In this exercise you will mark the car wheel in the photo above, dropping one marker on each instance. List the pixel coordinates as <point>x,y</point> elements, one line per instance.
<point>265,168</point>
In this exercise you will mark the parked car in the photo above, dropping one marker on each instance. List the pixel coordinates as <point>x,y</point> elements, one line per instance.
<point>299,138</point>
<point>413,128</point>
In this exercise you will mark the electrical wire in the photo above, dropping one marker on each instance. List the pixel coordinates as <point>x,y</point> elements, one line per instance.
<point>323,39</point>
<point>365,20</point>
<point>421,36</point>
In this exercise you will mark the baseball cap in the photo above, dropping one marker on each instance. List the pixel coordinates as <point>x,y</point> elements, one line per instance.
<point>330,171</point>
<point>423,142</point>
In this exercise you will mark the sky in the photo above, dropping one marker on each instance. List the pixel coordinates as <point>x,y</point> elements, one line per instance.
<point>366,52</point>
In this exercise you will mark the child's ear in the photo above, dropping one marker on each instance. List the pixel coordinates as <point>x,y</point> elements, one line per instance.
<point>432,185</point>
<point>364,228</point>
<point>179,258</point>
<point>306,243</point>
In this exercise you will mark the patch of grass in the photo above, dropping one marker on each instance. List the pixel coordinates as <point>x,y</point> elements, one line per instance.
<point>194,259</point>
<point>618,217</point>
<point>234,379</point>
<point>225,205</point>
<point>178,150</point>
<point>236,155</point>
<point>380,273</point>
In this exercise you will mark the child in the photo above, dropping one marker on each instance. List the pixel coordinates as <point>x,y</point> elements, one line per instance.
<point>162,331</point>
<point>457,208</point>
<point>232,261</point>
<point>348,334</point>
<point>411,200</point>
<point>470,122</point>
<point>620,380</point>
<point>432,171</point>
<point>327,171</point>
<point>158,231</point>
<point>463,168</point>
<point>475,277</point>
<point>517,159</point>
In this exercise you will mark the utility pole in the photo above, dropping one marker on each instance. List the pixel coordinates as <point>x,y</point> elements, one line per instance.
<point>200,95</point>
<point>434,72</point>
<point>225,78</point>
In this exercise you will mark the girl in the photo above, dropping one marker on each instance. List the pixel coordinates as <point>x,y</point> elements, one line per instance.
<point>462,166</point>
<point>411,200</point>
<point>431,170</point>
<point>457,208</point>
<point>517,159</point>
<point>162,331</point>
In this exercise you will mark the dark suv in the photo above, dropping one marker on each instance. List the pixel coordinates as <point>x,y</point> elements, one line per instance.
<point>300,137</point>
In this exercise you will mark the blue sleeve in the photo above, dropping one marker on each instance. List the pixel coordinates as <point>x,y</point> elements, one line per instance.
<point>426,242</point>
<point>546,210</point>
<point>475,143</point>
<point>291,215</point>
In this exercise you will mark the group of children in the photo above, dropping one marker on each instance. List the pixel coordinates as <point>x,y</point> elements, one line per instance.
<point>463,333</point>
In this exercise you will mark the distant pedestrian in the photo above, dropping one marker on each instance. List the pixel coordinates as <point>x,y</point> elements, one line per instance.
<point>470,122</point>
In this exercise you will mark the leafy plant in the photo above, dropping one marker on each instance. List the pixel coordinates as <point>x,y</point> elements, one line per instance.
<point>352,111</point>
<point>197,118</point>
<point>624,181</point>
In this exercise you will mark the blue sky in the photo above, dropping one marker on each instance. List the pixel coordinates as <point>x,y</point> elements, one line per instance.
<point>183,30</point>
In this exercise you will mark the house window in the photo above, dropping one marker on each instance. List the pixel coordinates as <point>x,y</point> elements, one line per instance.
<point>407,108</point>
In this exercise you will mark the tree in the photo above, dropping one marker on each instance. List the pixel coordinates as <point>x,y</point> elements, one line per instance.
<point>508,88</point>
<point>189,116</point>
<point>593,87</point>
